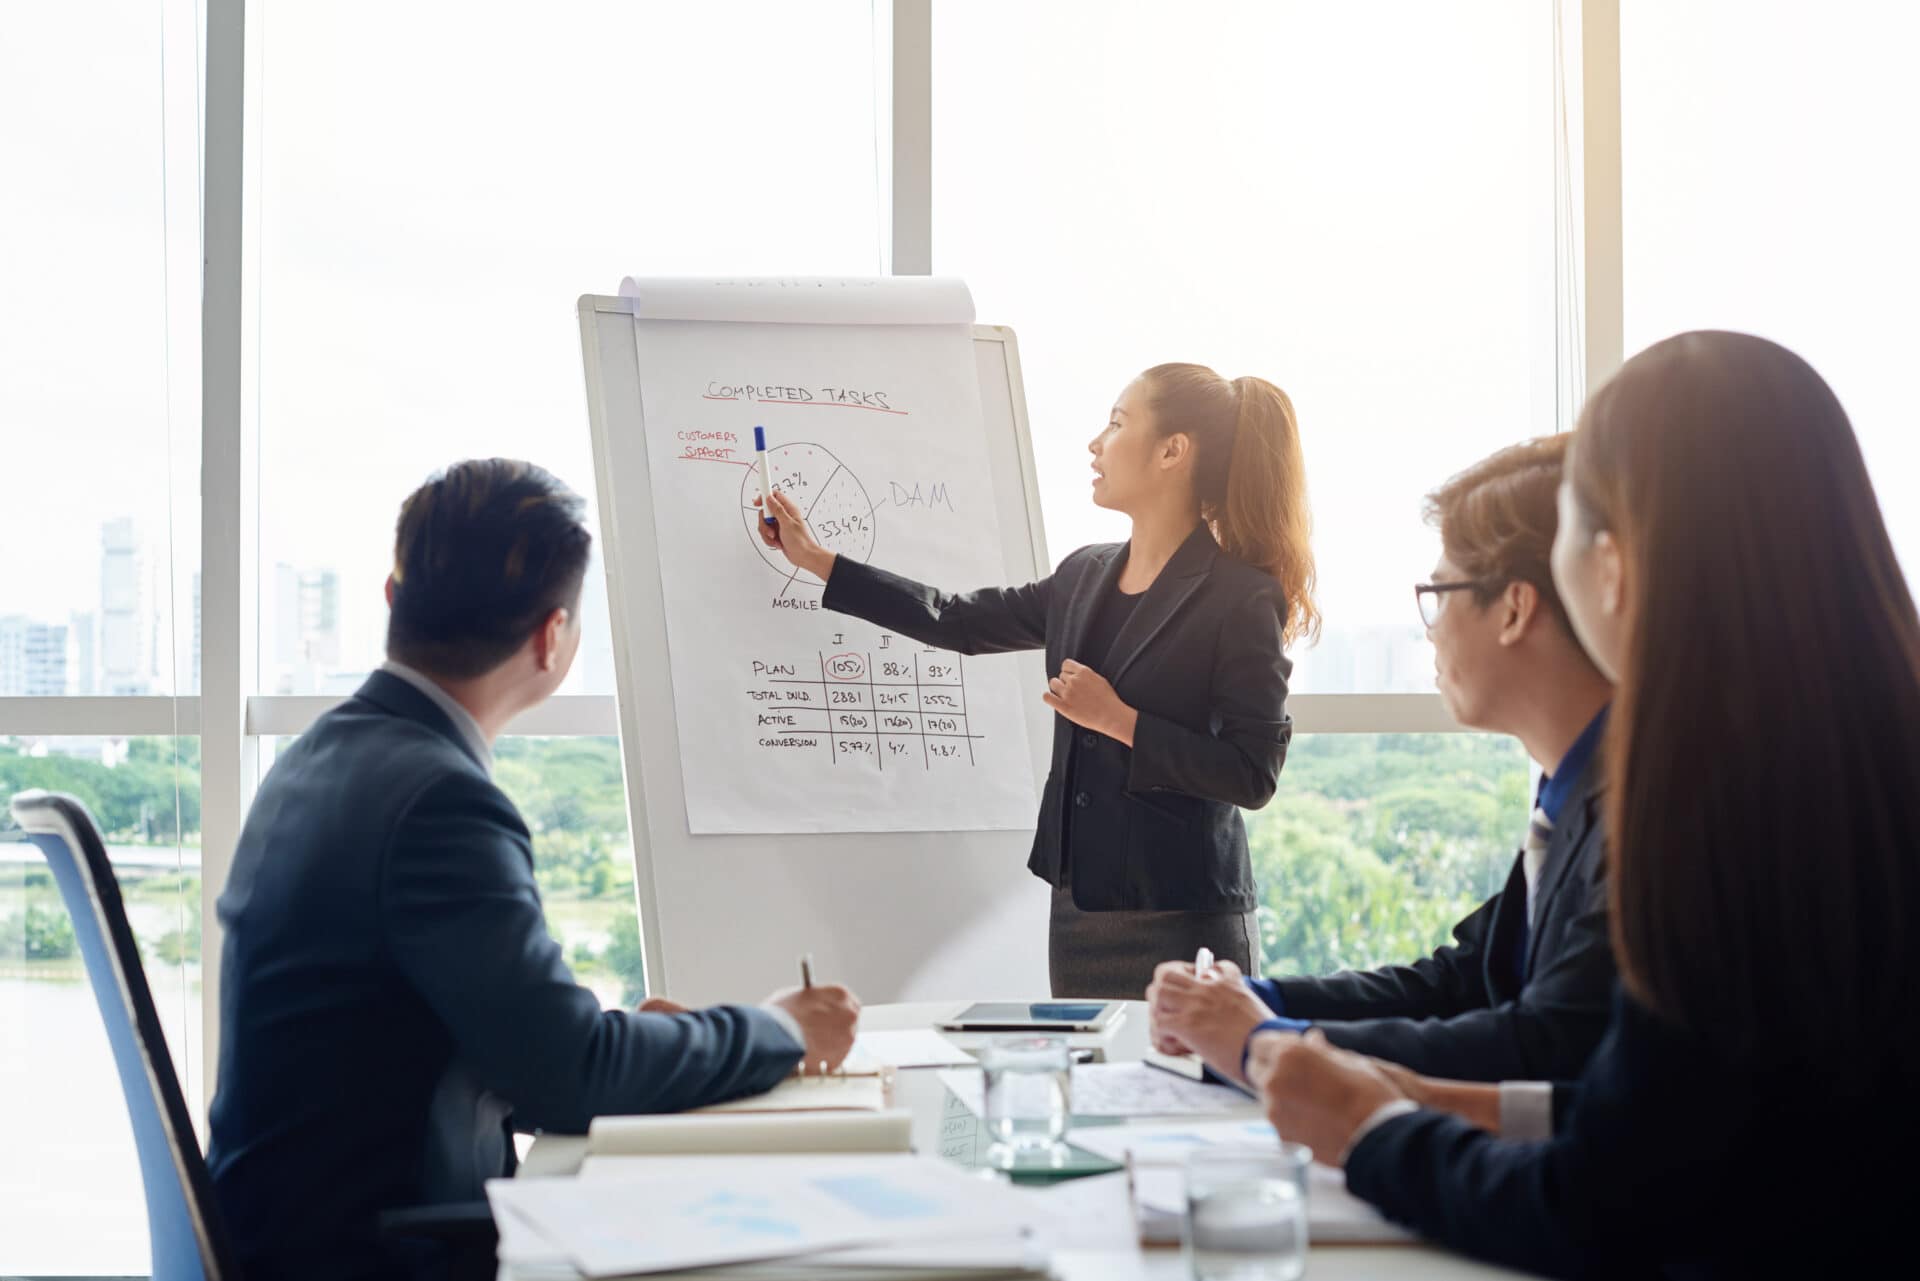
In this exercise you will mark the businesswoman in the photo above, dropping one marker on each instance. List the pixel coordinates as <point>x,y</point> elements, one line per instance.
<point>1168,670</point>
<point>1748,1113</point>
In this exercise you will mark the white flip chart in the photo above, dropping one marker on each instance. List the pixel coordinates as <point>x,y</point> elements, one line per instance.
<point>794,718</point>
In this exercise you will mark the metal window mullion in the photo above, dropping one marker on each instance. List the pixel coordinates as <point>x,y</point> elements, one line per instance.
<point>564,716</point>
<point>911,251</point>
<point>1604,257</point>
<point>229,527</point>
<point>596,715</point>
<point>89,717</point>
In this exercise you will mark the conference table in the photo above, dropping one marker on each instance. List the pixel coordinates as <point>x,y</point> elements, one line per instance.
<point>1106,1250</point>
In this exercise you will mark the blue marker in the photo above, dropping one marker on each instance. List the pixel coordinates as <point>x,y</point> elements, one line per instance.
<point>766,481</point>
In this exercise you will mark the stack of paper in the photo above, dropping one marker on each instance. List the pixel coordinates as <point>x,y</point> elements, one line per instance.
<point>687,1134</point>
<point>766,1217</point>
<point>1122,1090</point>
<point>914,1048</point>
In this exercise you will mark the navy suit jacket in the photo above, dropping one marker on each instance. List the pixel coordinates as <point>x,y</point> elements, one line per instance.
<point>389,993</point>
<point>1667,1160</point>
<point>1501,1003</point>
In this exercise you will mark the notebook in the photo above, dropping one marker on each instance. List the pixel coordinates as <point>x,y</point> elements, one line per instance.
<point>691,1133</point>
<point>861,1093</point>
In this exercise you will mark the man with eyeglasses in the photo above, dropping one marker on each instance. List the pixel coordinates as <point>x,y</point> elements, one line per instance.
<point>1522,993</point>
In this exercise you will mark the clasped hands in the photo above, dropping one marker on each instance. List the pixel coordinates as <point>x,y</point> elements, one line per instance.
<point>1314,1092</point>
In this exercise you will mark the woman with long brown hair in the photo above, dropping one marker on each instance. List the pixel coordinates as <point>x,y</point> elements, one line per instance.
<point>1167,663</point>
<point>1720,551</point>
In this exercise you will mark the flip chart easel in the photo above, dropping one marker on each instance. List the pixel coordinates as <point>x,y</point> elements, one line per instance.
<point>898,915</point>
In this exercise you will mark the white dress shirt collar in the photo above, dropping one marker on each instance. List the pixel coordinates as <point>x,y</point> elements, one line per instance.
<point>462,719</point>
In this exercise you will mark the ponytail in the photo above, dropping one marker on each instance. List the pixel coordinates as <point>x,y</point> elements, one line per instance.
<point>1248,475</point>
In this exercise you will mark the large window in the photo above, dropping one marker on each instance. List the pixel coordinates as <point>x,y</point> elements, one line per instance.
<point>431,202</point>
<point>1359,202</point>
<point>99,582</point>
<point>78,1205</point>
<point>99,350</point>
<point>70,1200</point>
<point>1354,201</point>
<point>1768,187</point>
<point>1379,843</point>
<point>570,792</point>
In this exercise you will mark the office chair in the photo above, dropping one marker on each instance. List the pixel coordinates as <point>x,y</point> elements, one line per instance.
<point>189,1239</point>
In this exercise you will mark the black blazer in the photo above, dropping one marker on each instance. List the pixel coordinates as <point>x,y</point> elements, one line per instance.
<point>1672,1161</point>
<point>1155,826</point>
<point>1465,1012</point>
<point>389,993</point>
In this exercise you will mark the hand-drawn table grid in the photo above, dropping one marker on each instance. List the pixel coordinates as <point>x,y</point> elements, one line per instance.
<point>962,1138</point>
<point>921,699</point>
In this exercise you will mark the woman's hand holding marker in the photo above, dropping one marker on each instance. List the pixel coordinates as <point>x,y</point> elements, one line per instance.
<point>789,533</point>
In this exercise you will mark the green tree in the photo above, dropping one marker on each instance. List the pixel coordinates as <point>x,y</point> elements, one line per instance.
<point>565,785</point>
<point>181,945</point>
<point>601,878</point>
<point>1377,844</point>
<point>1328,903</point>
<point>625,957</point>
<point>148,797</point>
<point>573,796</point>
<point>38,934</point>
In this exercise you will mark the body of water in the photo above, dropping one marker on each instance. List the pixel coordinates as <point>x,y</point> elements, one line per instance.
<point>70,1197</point>
<point>184,857</point>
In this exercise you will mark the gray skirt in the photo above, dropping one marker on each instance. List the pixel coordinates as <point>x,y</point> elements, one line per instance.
<point>1111,955</point>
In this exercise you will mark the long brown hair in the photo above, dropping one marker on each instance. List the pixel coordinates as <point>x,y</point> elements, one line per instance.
<point>1248,475</point>
<point>1764,829</point>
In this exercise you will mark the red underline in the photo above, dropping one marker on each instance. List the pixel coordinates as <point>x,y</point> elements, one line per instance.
<point>833,404</point>
<point>708,458</point>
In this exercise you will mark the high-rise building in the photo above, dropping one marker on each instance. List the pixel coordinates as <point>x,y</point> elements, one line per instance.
<point>1375,659</point>
<point>82,669</point>
<point>306,628</point>
<point>33,658</point>
<point>126,625</point>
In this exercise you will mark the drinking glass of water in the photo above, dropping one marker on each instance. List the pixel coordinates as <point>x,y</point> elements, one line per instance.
<point>1246,1216</point>
<point>1029,1088</point>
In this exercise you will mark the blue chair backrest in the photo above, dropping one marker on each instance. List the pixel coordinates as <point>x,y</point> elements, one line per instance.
<point>189,1242</point>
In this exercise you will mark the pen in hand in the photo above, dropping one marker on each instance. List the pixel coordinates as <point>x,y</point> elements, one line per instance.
<point>806,983</point>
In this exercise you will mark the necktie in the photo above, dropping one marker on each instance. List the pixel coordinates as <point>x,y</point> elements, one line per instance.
<point>1534,856</point>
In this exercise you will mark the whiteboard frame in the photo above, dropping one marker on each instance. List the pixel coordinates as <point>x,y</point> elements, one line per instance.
<point>604,387</point>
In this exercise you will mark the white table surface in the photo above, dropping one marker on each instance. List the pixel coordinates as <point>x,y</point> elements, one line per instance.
<point>1113,1260</point>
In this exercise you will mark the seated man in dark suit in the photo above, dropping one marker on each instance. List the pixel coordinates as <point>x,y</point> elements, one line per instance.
<point>391,1003</point>
<point>1523,992</point>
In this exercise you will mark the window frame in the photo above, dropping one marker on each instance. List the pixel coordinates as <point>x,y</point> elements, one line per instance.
<point>230,718</point>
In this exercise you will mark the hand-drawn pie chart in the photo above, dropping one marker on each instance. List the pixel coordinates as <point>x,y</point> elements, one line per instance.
<point>832,498</point>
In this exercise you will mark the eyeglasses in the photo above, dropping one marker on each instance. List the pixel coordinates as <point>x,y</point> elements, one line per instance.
<point>1432,597</point>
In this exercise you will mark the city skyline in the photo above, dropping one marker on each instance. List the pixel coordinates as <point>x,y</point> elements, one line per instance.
<point>120,648</point>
